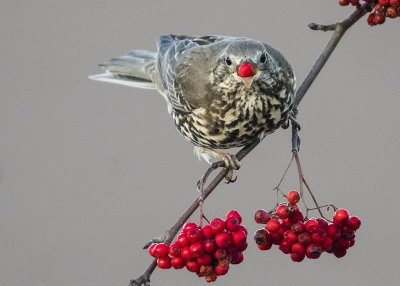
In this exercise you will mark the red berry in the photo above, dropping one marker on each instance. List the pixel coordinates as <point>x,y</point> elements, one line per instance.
<point>341,217</point>
<point>304,238</point>
<point>217,225</point>
<point>245,70</point>
<point>178,262</point>
<point>206,270</point>
<point>322,223</point>
<point>242,247</point>
<point>197,249</point>
<point>221,269</point>
<point>379,18</point>
<point>319,236</point>
<point>296,216</point>
<point>209,245</point>
<point>194,235</point>
<point>174,249</point>
<point>384,2</point>
<point>371,19</point>
<point>243,228</point>
<point>211,278</point>
<point>311,226</point>
<point>313,251</point>
<point>344,2</point>
<point>276,237</point>
<point>343,243</point>
<point>392,12</point>
<point>285,246</point>
<point>265,246</point>
<point>207,231</point>
<point>223,239</point>
<point>261,216</point>
<point>193,266</point>
<point>297,257</point>
<point>239,238</point>
<point>234,214</point>
<point>151,249</point>
<point>188,226</point>
<point>286,223</point>
<point>298,227</point>
<point>292,209</point>
<point>161,250</point>
<point>290,236</point>
<point>273,225</point>
<point>186,253</point>
<point>298,248</point>
<point>394,3</point>
<point>339,252</point>
<point>293,197</point>
<point>281,211</point>
<point>262,236</point>
<point>182,240</point>
<point>354,223</point>
<point>206,259</point>
<point>220,253</point>
<point>231,248</point>
<point>237,257</point>
<point>326,244</point>
<point>164,262</point>
<point>350,235</point>
<point>231,224</point>
<point>333,231</point>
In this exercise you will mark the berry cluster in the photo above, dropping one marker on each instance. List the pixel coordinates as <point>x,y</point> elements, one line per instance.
<point>381,10</point>
<point>207,251</point>
<point>286,227</point>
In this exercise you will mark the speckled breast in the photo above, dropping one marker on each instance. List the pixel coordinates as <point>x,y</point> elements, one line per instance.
<point>235,121</point>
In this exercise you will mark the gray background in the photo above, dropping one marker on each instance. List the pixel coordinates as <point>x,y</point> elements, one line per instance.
<point>90,171</point>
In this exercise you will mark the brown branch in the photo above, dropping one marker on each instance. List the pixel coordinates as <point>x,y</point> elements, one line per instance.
<point>339,29</point>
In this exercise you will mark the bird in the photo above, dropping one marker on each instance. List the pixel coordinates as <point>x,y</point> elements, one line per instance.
<point>221,91</point>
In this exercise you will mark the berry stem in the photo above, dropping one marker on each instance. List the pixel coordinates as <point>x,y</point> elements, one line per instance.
<point>281,180</point>
<point>315,202</point>
<point>301,177</point>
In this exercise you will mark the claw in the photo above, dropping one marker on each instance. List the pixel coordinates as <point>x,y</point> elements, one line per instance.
<point>294,122</point>
<point>230,180</point>
<point>230,161</point>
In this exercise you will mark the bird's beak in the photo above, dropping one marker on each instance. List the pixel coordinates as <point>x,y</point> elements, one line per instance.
<point>248,81</point>
<point>247,72</point>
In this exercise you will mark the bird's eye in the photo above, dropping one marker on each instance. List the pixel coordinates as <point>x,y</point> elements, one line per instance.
<point>263,58</point>
<point>228,61</point>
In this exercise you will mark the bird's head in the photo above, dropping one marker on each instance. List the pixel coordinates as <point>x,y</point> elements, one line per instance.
<point>244,61</point>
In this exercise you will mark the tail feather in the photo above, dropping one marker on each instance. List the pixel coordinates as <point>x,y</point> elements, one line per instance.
<point>133,69</point>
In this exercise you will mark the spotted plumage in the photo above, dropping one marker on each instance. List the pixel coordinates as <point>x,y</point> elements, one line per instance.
<point>213,103</point>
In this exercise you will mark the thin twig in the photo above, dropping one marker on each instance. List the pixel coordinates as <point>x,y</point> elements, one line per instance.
<point>315,201</point>
<point>284,174</point>
<point>301,177</point>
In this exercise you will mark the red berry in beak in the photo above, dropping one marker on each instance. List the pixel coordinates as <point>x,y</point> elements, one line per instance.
<point>245,70</point>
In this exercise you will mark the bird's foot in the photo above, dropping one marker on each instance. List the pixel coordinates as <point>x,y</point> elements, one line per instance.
<point>294,122</point>
<point>230,161</point>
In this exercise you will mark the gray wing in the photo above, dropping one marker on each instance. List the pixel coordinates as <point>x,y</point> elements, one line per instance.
<point>184,64</point>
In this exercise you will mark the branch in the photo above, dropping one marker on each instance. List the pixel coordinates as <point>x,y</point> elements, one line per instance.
<point>339,29</point>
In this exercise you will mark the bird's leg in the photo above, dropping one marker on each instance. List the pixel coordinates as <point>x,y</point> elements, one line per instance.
<point>294,122</point>
<point>230,161</point>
